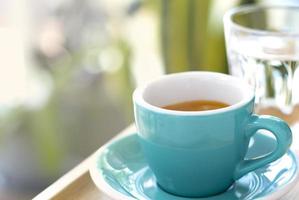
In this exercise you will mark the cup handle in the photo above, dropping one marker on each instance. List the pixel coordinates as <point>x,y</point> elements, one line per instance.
<point>278,128</point>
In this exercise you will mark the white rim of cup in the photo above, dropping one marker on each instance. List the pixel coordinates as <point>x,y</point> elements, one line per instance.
<point>138,96</point>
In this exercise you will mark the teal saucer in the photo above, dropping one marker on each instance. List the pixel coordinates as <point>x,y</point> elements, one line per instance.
<point>121,171</point>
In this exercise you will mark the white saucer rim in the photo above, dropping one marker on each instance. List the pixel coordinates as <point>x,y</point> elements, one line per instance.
<point>106,188</point>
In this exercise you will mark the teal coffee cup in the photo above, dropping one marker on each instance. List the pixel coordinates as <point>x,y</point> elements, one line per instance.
<point>201,153</point>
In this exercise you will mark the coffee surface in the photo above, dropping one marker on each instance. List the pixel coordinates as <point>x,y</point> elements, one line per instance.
<point>198,105</point>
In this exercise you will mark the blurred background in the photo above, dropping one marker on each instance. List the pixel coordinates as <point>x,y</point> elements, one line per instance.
<point>68,69</point>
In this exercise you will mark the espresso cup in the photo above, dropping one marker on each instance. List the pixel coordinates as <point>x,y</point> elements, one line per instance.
<point>201,153</point>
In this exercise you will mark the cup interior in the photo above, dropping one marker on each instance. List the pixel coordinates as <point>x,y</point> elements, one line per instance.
<point>190,86</point>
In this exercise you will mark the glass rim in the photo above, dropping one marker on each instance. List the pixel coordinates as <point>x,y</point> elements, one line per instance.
<point>228,21</point>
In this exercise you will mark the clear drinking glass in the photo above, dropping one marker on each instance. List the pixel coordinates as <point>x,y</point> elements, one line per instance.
<point>262,45</point>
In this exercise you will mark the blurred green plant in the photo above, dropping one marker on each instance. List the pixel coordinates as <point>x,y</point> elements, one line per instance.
<point>190,39</point>
<point>192,35</point>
